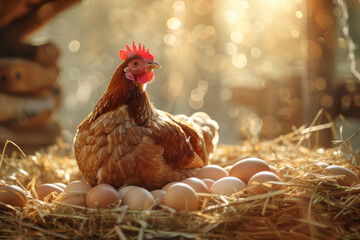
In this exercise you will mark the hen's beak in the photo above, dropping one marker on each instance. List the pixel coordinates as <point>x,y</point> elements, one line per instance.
<point>152,65</point>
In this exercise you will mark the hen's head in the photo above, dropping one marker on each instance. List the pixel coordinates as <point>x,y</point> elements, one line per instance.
<point>139,64</point>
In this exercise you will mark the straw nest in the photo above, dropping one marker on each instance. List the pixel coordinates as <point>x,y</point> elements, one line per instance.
<point>308,205</point>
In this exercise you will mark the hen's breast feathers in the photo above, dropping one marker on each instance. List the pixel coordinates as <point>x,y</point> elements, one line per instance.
<point>116,150</point>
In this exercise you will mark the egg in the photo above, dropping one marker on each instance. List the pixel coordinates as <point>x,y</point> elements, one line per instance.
<point>349,177</point>
<point>214,172</point>
<point>59,184</point>
<point>47,191</point>
<point>138,198</point>
<point>78,185</point>
<point>198,185</point>
<point>228,168</point>
<point>75,193</point>
<point>256,186</point>
<point>168,185</point>
<point>12,195</point>
<point>158,196</point>
<point>209,182</point>
<point>181,196</point>
<point>227,186</point>
<point>246,168</point>
<point>102,196</point>
<point>122,191</point>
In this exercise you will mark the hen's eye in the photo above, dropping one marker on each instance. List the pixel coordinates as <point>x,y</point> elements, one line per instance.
<point>135,64</point>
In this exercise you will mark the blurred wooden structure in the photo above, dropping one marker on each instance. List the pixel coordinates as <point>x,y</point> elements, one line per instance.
<point>29,91</point>
<point>295,100</point>
<point>278,104</point>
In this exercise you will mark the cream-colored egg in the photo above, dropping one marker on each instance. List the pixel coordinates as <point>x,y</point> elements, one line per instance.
<point>122,191</point>
<point>47,191</point>
<point>227,186</point>
<point>198,185</point>
<point>75,193</point>
<point>214,172</point>
<point>138,198</point>
<point>168,185</point>
<point>348,177</point>
<point>246,168</point>
<point>158,196</point>
<point>12,195</point>
<point>181,196</point>
<point>78,186</point>
<point>209,182</point>
<point>59,184</point>
<point>256,183</point>
<point>102,196</point>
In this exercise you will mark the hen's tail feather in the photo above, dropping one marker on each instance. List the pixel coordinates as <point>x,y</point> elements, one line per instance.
<point>209,128</point>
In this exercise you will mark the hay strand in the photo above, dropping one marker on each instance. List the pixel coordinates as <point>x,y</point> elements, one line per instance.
<point>306,205</point>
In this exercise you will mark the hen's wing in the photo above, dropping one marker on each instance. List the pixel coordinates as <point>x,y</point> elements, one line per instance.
<point>206,138</point>
<point>178,151</point>
<point>187,141</point>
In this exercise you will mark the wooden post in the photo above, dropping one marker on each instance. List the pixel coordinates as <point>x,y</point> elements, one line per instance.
<point>318,84</point>
<point>28,74</point>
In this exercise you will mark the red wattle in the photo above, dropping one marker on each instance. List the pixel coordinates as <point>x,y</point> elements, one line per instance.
<point>143,78</point>
<point>151,74</point>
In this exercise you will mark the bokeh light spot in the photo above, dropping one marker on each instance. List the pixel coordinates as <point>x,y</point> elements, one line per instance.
<point>74,46</point>
<point>173,23</point>
<point>323,18</point>
<point>320,84</point>
<point>294,33</point>
<point>83,94</point>
<point>345,102</point>
<point>239,60</point>
<point>209,30</point>
<point>225,94</point>
<point>236,37</point>
<point>326,101</point>
<point>230,48</point>
<point>179,6</point>
<point>350,86</point>
<point>170,39</point>
<point>203,85</point>
<point>245,4</point>
<point>231,16</point>
<point>255,52</point>
<point>233,112</point>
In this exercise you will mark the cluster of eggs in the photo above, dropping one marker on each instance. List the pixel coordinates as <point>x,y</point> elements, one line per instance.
<point>249,176</point>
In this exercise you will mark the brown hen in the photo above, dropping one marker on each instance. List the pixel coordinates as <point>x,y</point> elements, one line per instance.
<point>125,140</point>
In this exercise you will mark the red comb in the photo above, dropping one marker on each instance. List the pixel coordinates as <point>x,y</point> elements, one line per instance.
<point>124,54</point>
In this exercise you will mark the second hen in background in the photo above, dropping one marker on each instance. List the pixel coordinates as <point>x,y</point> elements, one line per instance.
<point>126,140</point>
